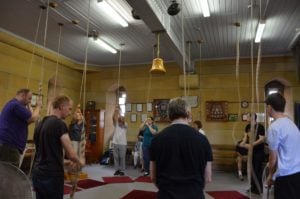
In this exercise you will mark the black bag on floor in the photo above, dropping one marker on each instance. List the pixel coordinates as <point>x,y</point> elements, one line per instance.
<point>105,159</point>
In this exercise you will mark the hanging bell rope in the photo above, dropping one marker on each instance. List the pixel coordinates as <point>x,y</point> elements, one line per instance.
<point>150,77</point>
<point>183,48</point>
<point>252,126</point>
<point>189,67</point>
<point>237,77</point>
<point>75,174</point>
<point>44,45</point>
<point>119,70</point>
<point>57,59</point>
<point>200,52</point>
<point>34,45</point>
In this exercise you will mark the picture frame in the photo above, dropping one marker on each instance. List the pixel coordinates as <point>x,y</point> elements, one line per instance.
<point>143,117</point>
<point>216,111</point>
<point>128,108</point>
<point>34,99</point>
<point>232,117</point>
<point>160,110</point>
<point>245,116</point>
<point>260,117</point>
<point>191,100</point>
<point>149,107</point>
<point>133,117</point>
<point>139,107</point>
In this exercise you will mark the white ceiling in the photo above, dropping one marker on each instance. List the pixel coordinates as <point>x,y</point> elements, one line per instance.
<point>218,32</point>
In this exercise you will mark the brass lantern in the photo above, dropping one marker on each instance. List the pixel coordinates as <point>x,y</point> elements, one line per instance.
<point>158,63</point>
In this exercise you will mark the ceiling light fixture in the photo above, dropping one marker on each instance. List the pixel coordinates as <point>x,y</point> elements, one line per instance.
<point>260,31</point>
<point>94,35</point>
<point>104,45</point>
<point>205,8</point>
<point>111,12</point>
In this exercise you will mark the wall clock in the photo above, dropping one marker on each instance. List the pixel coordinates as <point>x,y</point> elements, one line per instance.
<point>244,104</point>
<point>160,111</point>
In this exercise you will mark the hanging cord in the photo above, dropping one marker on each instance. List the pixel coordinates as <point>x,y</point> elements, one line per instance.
<point>75,174</point>
<point>34,45</point>
<point>189,68</point>
<point>237,77</point>
<point>158,51</point>
<point>200,49</point>
<point>119,71</point>
<point>252,126</point>
<point>57,60</point>
<point>44,45</point>
<point>257,77</point>
<point>183,49</point>
<point>83,79</point>
<point>150,76</point>
<point>254,130</point>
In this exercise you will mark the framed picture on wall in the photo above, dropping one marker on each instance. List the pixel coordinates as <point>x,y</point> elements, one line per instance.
<point>232,117</point>
<point>260,117</point>
<point>217,111</point>
<point>246,116</point>
<point>133,117</point>
<point>144,117</point>
<point>160,110</point>
<point>128,107</point>
<point>139,107</point>
<point>149,107</point>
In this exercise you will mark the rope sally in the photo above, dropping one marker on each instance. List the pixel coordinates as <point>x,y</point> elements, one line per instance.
<point>75,174</point>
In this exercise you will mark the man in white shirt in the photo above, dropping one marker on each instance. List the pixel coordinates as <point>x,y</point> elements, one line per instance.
<point>119,142</point>
<point>284,146</point>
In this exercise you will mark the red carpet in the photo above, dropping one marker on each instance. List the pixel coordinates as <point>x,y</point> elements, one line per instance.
<point>143,179</point>
<point>227,195</point>
<point>117,179</point>
<point>67,189</point>
<point>89,183</point>
<point>138,194</point>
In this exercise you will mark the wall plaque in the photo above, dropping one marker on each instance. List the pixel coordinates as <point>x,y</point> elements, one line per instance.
<point>216,111</point>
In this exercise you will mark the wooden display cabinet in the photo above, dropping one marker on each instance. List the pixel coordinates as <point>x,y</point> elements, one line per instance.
<point>94,135</point>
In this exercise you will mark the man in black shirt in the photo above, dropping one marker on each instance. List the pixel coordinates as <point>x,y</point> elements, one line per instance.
<point>258,154</point>
<point>180,157</point>
<point>51,137</point>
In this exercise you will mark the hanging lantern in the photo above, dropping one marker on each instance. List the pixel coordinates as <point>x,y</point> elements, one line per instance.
<point>158,63</point>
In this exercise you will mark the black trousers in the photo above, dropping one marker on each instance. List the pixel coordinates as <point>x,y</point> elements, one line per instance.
<point>257,164</point>
<point>287,187</point>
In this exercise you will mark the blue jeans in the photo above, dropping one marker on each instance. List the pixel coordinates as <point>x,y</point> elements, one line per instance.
<point>146,156</point>
<point>48,187</point>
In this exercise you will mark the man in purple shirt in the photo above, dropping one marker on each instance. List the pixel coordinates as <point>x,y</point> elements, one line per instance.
<point>14,120</point>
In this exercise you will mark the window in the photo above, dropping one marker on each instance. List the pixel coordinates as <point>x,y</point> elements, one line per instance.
<point>121,96</point>
<point>274,87</point>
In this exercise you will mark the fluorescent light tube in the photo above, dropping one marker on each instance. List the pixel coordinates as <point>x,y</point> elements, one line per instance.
<point>105,45</point>
<point>111,13</point>
<point>205,8</point>
<point>260,31</point>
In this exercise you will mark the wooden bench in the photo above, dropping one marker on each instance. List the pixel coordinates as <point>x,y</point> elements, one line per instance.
<point>224,157</point>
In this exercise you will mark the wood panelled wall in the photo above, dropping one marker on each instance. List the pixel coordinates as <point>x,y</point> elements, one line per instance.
<point>217,82</point>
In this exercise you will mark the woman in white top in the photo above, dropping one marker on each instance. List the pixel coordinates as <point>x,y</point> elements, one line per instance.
<point>198,126</point>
